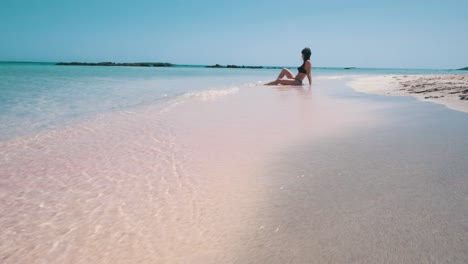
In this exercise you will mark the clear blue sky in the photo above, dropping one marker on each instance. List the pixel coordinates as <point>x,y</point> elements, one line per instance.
<point>362,33</point>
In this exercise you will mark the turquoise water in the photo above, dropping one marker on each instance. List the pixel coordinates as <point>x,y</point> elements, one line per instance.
<point>37,96</point>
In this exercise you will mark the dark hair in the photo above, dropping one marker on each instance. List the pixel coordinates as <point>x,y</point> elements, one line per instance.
<point>306,52</point>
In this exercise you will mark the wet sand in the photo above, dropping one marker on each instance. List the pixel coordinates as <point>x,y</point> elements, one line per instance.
<point>249,175</point>
<point>445,89</point>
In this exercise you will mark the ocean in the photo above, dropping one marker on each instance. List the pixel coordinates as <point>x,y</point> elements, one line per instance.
<point>40,96</point>
<point>208,165</point>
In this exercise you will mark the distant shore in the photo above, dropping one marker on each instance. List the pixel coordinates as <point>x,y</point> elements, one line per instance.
<point>227,66</point>
<point>134,64</point>
<point>450,90</point>
<point>155,64</point>
<point>167,64</point>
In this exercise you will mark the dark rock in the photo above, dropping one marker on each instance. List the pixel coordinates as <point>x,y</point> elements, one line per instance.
<point>463,69</point>
<point>234,66</point>
<point>423,91</point>
<point>215,66</point>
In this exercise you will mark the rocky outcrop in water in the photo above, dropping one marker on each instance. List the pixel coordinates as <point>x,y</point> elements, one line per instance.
<point>463,69</point>
<point>134,64</point>
<point>234,66</point>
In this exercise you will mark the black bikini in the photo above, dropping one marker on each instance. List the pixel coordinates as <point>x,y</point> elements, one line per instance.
<point>301,68</point>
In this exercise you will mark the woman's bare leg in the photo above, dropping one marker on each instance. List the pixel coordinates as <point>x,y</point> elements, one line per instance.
<point>287,73</point>
<point>288,82</point>
<point>284,72</point>
<point>285,82</point>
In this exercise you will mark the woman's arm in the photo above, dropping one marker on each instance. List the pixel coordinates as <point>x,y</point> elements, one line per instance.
<point>308,68</point>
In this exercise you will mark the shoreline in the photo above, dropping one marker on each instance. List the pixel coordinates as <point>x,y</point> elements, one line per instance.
<point>254,174</point>
<point>450,90</point>
<point>187,177</point>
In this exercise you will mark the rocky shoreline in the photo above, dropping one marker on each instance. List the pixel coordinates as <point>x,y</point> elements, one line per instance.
<point>450,90</point>
<point>436,86</point>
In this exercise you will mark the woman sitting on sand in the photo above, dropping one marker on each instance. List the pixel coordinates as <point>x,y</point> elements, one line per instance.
<point>304,70</point>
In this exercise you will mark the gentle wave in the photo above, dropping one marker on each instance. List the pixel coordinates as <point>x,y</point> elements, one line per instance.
<point>212,94</point>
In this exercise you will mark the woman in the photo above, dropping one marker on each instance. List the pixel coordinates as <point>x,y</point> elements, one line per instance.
<point>304,70</point>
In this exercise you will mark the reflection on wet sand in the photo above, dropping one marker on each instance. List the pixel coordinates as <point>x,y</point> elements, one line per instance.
<point>254,175</point>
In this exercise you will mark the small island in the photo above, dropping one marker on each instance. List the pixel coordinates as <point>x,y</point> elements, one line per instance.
<point>234,66</point>
<point>132,64</point>
<point>463,69</point>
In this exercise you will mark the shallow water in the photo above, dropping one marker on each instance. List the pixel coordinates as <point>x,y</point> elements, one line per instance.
<point>394,192</point>
<point>243,174</point>
<point>152,184</point>
<point>36,97</point>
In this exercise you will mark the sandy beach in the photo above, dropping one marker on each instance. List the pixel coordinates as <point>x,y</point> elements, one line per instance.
<point>233,132</point>
<point>250,174</point>
<point>445,89</point>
